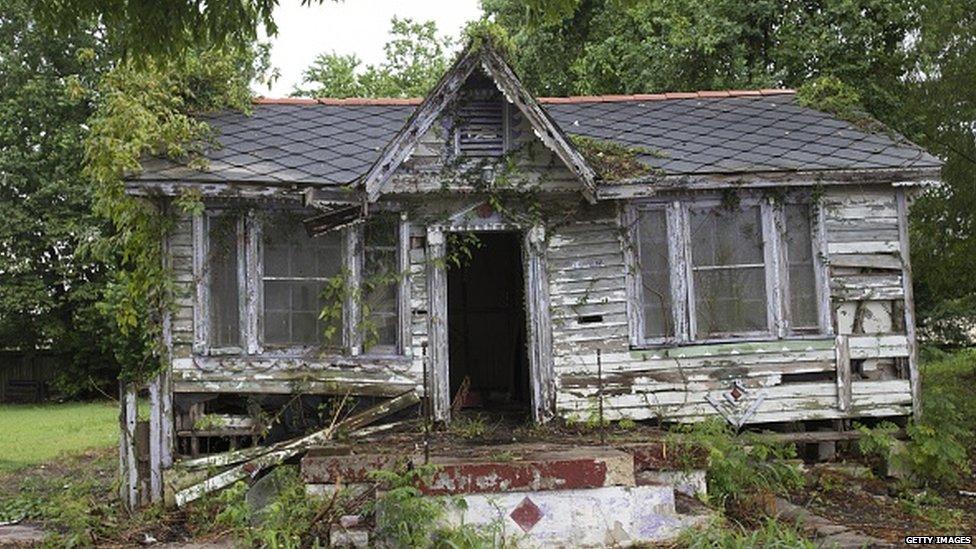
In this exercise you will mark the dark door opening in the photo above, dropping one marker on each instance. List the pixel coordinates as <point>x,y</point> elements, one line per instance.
<point>489,364</point>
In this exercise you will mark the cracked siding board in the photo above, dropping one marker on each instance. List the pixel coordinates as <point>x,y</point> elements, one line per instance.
<point>341,375</point>
<point>181,265</point>
<point>418,294</point>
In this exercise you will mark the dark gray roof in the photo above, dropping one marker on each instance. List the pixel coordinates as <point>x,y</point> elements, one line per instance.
<point>335,143</point>
<point>292,143</point>
<point>738,134</point>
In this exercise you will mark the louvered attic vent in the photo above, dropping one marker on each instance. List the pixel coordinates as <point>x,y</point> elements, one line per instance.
<point>481,128</point>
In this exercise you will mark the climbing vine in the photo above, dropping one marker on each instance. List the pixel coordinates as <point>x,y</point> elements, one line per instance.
<point>147,110</point>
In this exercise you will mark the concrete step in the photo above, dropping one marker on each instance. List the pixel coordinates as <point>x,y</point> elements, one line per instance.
<point>501,471</point>
<point>544,496</point>
<point>609,516</point>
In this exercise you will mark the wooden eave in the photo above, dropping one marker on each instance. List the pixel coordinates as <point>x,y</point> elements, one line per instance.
<point>644,187</point>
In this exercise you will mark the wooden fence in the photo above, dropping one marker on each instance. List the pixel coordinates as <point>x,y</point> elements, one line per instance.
<point>26,376</point>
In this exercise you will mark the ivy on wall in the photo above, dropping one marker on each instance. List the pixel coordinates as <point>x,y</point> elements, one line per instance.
<point>148,110</point>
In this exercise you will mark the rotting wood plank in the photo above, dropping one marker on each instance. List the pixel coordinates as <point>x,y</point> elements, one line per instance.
<point>804,179</point>
<point>904,250</point>
<point>867,261</point>
<point>278,453</point>
<point>843,374</point>
<point>129,464</point>
<point>821,436</point>
<point>439,365</point>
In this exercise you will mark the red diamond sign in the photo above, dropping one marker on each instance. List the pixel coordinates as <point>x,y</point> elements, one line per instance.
<point>526,514</point>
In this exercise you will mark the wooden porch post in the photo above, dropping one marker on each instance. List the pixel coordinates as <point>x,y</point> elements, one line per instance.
<point>440,397</point>
<point>539,326</point>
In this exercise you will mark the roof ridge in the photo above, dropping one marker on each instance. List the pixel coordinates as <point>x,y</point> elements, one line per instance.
<point>393,101</point>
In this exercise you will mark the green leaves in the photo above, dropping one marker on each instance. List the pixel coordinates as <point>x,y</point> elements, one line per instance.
<point>415,60</point>
<point>49,283</point>
<point>148,110</point>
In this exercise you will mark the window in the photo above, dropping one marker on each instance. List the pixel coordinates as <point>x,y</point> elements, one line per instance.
<point>223,280</point>
<point>728,271</point>
<point>380,282</point>
<point>802,268</point>
<point>265,284</point>
<point>708,271</point>
<point>655,269</point>
<point>296,269</point>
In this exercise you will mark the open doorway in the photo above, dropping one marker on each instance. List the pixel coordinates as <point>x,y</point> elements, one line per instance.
<point>489,364</point>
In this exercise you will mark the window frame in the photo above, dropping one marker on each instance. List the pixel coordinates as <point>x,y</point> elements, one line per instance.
<point>202,270</point>
<point>775,266</point>
<point>258,336</point>
<point>250,256</point>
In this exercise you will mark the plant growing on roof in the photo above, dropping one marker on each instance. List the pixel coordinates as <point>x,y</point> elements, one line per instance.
<point>612,161</point>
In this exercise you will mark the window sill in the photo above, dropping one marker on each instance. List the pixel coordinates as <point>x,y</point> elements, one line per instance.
<point>674,344</point>
<point>330,358</point>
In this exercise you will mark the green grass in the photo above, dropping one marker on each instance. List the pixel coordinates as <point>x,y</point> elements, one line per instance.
<point>951,376</point>
<point>33,434</point>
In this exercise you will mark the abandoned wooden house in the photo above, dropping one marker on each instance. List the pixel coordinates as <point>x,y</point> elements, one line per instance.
<point>669,257</point>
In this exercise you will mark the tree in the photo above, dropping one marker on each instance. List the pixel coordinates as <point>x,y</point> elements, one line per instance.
<point>141,29</point>
<point>605,46</point>
<point>939,113</point>
<point>911,62</point>
<point>415,59</point>
<point>142,109</point>
<point>49,285</point>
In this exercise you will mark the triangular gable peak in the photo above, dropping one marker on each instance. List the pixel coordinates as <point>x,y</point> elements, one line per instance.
<point>447,90</point>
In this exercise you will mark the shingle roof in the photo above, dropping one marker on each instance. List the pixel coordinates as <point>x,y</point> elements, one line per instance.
<point>336,141</point>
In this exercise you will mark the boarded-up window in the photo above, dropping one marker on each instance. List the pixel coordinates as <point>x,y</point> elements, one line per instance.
<point>729,278</point>
<point>380,282</point>
<point>799,258</point>
<point>296,269</point>
<point>224,283</point>
<point>655,274</point>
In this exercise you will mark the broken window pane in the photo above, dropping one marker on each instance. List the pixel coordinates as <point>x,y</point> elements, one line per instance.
<point>296,269</point>
<point>381,282</point>
<point>800,260</point>
<point>655,274</point>
<point>224,289</point>
<point>729,280</point>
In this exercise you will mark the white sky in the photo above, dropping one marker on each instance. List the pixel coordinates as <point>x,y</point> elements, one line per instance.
<point>350,26</point>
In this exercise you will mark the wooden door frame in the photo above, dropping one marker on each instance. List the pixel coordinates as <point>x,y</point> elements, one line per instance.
<point>538,321</point>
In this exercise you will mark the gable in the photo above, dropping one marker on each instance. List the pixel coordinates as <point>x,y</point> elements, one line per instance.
<point>466,88</point>
<point>478,142</point>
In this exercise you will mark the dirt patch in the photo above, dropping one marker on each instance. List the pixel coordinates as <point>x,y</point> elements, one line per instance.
<point>73,499</point>
<point>875,506</point>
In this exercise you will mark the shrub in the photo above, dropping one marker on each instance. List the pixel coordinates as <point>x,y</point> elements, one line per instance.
<point>741,466</point>
<point>285,522</point>
<point>407,518</point>
<point>937,450</point>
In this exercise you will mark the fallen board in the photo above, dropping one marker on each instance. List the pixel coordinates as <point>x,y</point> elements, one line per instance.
<point>277,453</point>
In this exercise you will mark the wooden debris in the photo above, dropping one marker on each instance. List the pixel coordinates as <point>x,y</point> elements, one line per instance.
<point>461,396</point>
<point>277,453</point>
